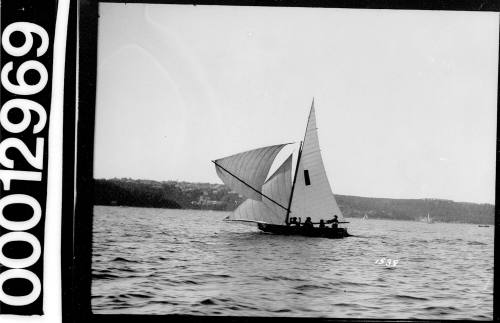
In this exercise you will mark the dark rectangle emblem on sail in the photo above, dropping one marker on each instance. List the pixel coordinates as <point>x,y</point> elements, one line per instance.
<point>306,177</point>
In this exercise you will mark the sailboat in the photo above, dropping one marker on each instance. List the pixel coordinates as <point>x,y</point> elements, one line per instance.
<point>428,219</point>
<point>275,203</point>
<point>365,217</point>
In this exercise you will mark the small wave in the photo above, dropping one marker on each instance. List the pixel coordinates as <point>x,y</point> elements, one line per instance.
<point>476,243</point>
<point>356,284</point>
<point>120,259</point>
<point>288,279</point>
<point>441,308</point>
<point>343,304</point>
<point>117,300</point>
<point>282,310</point>
<point>191,311</point>
<point>216,301</point>
<point>104,276</point>
<point>190,282</point>
<point>440,240</point>
<point>134,276</point>
<point>135,295</point>
<point>308,287</point>
<point>207,301</point>
<point>223,300</point>
<point>118,307</point>
<point>411,297</point>
<point>127,269</point>
<point>215,312</point>
<point>102,271</point>
<point>418,259</point>
<point>209,275</point>
<point>234,308</point>
<point>163,302</point>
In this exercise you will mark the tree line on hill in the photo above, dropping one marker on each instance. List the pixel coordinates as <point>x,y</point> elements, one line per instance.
<point>206,196</point>
<point>170,194</point>
<point>416,209</point>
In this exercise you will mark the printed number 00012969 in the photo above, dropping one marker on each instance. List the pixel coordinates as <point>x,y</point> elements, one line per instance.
<point>18,268</point>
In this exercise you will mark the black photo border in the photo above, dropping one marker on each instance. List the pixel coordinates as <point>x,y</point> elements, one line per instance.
<point>79,151</point>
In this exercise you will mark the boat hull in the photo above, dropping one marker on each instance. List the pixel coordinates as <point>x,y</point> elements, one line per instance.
<point>301,231</point>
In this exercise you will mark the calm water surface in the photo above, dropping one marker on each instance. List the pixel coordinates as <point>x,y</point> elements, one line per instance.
<point>159,261</point>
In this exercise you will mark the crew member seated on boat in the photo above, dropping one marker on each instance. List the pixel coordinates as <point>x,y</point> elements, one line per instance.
<point>293,220</point>
<point>308,223</point>
<point>300,221</point>
<point>335,222</point>
<point>321,223</point>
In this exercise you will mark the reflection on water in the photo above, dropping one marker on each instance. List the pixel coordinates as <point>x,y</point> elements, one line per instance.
<point>158,261</point>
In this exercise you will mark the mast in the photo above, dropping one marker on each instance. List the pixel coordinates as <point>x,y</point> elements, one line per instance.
<point>297,166</point>
<point>293,185</point>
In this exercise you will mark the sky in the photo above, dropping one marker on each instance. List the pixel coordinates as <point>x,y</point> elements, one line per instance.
<point>405,100</point>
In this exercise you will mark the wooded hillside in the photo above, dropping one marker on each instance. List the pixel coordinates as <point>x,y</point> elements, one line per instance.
<point>206,196</point>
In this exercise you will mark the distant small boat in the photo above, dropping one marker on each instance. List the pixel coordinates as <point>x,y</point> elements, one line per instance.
<point>272,204</point>
<point>427,219</point>
<point>483,226</point>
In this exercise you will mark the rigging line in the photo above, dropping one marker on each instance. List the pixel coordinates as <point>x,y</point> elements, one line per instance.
<point>270,199</point>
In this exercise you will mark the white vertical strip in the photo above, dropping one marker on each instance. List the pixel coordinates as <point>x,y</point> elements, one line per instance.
<point>52,302</point>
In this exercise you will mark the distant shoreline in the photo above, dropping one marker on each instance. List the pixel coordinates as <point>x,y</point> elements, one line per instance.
<point>218,197</point>
<point>377,219</point>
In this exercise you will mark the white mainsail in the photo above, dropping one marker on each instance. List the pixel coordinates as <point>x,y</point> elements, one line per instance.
<point>246,172</point>
<point>312,194</point>
<point>273,208</point>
